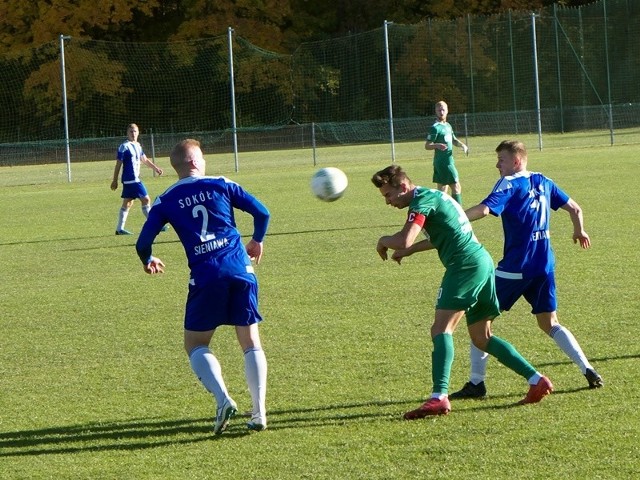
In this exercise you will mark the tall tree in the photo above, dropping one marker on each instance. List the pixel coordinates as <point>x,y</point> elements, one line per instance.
<point>261,22</point>
<point>279,25</point>
<point>26,24</point>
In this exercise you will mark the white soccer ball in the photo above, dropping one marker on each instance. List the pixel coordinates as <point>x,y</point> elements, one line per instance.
<point>329,184</point>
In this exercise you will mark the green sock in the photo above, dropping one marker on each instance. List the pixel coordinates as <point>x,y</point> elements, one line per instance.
<point>457,197</point>
<point>441,361</point>
<point>510,357</point>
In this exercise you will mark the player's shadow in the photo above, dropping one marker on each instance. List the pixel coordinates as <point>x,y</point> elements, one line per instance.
<point>166,239</point>
<point>130,241</point>
<point>328,230</point>
<point>51,240</point>
<point>142,434</point>
<point>488,403</point>
<point>101,436</point>
<point>139,434</point>
<point>594,360</point>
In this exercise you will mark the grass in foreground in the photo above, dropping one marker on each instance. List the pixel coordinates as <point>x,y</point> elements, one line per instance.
<point>95,383</point>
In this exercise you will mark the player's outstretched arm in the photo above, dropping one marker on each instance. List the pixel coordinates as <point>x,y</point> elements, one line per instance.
<point>477,212</point>
<point>579,235</point>
<point>149,163</point>
<point>462,145</point>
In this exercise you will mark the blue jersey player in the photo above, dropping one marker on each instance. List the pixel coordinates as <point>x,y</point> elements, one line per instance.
<point>524,200</point>
<point>129,158</point>
<point>223,289</point>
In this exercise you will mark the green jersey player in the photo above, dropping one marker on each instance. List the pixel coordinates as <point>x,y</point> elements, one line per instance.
<point>467,288</point>
<point>441,140</point>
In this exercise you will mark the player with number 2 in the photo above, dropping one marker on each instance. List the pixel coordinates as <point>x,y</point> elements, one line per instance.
<point>223,288</point>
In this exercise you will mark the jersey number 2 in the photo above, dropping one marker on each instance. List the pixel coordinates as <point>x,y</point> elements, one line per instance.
<point>204,235</point>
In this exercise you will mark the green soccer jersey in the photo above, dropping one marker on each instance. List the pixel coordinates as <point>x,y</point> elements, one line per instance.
<point>447,226</point>
<point>442,133</point>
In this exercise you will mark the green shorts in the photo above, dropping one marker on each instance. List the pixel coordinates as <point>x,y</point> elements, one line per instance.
<point>470,286</point>
<point>445,173</point>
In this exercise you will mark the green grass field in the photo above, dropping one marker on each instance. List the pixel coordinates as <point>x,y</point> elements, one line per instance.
<point>95,384</point>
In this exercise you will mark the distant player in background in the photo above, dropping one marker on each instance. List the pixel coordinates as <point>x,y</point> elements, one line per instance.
<point>129,158</point>
<point>223,289</point>
<point>441,140</point>
<point>467,288</point>
<point>524,201</point>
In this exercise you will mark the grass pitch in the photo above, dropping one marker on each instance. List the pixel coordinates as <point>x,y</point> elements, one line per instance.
<point>95,384</point>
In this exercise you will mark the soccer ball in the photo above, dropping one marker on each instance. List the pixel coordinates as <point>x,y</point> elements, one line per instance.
<point>329,184</point>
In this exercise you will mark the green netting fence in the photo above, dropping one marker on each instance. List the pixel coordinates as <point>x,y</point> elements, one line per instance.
<point>586,61</point>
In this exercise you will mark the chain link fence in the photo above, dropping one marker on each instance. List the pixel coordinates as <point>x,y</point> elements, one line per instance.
<point>553,71</point>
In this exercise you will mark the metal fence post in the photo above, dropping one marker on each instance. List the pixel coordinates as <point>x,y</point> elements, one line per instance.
<point>555,25</point>
<point>388,62</point>
<point>513,72</point>
<point>233,100</point>
<point>473,91</point>
<point>606,59</point>
<point>536,77</point>
<point>64,106</point>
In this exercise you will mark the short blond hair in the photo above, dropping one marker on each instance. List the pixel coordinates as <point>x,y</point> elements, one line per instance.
<point>180,153</point>
<point>514,147</point>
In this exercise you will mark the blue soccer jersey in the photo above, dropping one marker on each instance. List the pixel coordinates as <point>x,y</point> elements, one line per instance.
<point>201,211</point>
<point>523,201</point>
<point>130,154</point>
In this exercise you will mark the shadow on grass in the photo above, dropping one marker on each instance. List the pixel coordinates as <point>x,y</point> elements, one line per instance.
<point>594,360</point>
<point>132,435</point>
<point>481,404</point>
<point>132,238</point>
<point>139,434</point>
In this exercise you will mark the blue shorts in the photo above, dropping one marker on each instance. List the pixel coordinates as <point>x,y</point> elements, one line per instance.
<point>540,292</point>
<point>229,301</point>
<point>133,190</point>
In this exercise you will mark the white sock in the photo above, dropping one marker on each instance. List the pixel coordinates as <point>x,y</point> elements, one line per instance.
<point>569,345</point>
<point>145,210</point>
<point>479,361</point>
<point>534,379</point>
<point>122,218</point>
<point>255,368</point>
<point>207,368</point>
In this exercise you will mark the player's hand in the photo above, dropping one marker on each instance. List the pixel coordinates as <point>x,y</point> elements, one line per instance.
<point>382,251</point>
<point>114,185</point>
<point>154,266</point>
<point>159,171</point>
<point>254,250</point>
<point>583,239</point>
<point>399,254</point>
<point>465,149</point>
